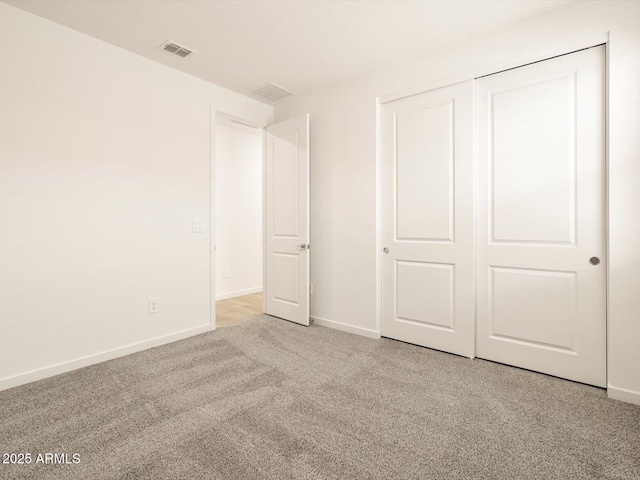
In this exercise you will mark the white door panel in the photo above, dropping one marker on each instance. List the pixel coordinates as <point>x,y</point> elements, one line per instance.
<point>427,219</point>
<point>287,220</point>
<point>425,133</point>
<point>540,217</point>
<point>533,169</point>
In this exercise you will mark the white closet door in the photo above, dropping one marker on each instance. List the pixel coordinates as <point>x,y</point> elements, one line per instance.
<point>541,273</point>
<point>287,220</point>
<point>427,219</point>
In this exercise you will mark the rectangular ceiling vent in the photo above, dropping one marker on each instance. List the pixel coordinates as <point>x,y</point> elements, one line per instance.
<point>272,92</point>
<point>177,49</point>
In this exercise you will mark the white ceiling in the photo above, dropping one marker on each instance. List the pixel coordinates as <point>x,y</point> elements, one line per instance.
<point>300,45</point>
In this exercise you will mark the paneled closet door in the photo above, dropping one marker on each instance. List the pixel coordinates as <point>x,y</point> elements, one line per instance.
<point>427,219</point>
<point>541,256</point>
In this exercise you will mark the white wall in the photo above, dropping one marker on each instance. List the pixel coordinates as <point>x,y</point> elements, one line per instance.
<point>104,162</point>
<point>238,209</point>
<point>343,170</point>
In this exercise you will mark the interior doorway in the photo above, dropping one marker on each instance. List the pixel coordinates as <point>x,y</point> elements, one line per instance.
<point>238,214</point>
<point>260,220</point>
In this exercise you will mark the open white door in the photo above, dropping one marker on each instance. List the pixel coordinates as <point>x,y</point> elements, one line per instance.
<point>287,220</point>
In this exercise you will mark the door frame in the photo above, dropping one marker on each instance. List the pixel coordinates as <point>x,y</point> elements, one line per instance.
<point>212,205</point>
<point>588,42</point>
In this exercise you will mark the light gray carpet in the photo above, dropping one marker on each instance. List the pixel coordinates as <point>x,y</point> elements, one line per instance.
<point>270,399</point>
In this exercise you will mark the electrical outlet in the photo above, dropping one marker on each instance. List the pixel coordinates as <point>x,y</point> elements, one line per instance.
<point>226,273</point>
<point>153,305</point>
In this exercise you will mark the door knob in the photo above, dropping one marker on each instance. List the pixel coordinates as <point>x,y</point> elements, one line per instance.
<point>304,246</point>
<point>385,250</point>
<point>594,260</point>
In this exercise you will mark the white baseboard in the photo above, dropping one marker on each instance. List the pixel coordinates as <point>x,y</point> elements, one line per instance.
<point>64,367</point>
<point>365,332</point>
<point>623,395</point>
<point>238,293</point>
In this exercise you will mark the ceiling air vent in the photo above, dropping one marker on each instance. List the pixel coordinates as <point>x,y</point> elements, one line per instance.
<point>177,49</point>
<point>272,92</point>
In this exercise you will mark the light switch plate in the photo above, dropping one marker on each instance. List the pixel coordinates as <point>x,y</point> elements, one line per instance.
<point>198,225</point>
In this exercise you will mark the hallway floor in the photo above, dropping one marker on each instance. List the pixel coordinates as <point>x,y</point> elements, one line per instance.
<point>237,310</point>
